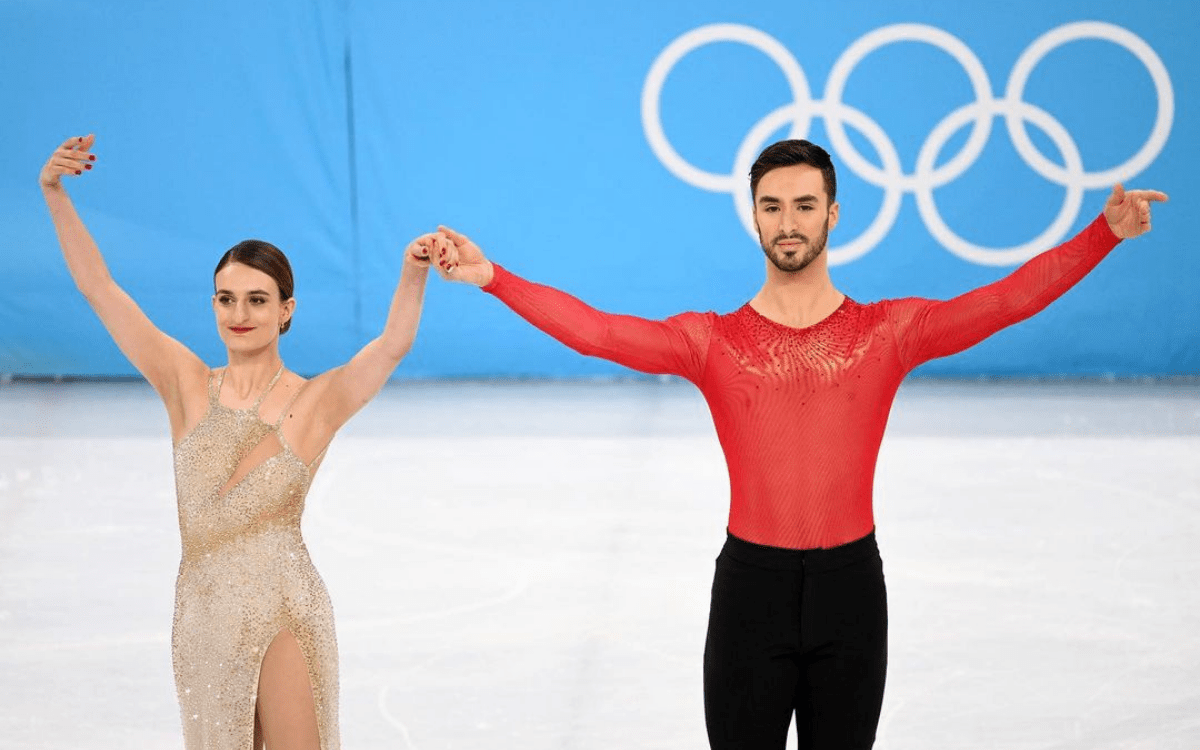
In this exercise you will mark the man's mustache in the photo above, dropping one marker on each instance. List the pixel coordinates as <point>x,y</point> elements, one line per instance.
<point>783,237</point>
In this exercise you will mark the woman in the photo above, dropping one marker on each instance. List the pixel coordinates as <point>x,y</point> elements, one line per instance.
<point>253,643</point>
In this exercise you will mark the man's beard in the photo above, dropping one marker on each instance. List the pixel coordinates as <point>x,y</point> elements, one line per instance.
<point>795,262</point>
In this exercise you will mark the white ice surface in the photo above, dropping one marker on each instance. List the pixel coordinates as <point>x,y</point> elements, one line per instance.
<point>526,566</point>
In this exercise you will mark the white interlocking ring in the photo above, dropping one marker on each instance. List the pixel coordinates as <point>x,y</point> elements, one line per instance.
<point>926,175</point>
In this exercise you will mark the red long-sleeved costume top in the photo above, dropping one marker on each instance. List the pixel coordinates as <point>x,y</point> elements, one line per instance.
<point>800,412</point>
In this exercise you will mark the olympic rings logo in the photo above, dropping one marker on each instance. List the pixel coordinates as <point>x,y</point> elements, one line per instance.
<point>926,177</point>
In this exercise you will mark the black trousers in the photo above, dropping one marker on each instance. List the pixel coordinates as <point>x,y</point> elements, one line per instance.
<point>800,632</point>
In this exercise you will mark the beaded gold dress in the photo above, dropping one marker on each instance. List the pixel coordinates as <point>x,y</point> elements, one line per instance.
<point>245,575</point>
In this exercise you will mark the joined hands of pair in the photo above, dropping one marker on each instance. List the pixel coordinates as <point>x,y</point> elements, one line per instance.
<point>452,255</point>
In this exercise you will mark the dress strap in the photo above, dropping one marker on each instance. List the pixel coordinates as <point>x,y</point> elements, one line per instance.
<point>267,390</point>
<point>214,390</point>
<point>318,458</point>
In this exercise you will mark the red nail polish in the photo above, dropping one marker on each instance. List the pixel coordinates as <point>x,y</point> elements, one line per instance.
<point>87,166</point>
<point>92,157</point>
<point>80,139</point>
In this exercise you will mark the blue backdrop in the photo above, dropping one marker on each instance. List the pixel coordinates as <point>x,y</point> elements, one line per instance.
<point>600,148</point>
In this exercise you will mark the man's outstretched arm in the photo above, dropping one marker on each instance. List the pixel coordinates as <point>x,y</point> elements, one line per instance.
<point>931,329</point>
<point>675,346</point>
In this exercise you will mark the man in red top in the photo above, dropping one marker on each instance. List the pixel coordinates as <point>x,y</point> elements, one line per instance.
<point>800,381</point>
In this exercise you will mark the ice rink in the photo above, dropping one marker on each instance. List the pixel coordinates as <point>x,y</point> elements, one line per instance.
<point>526,566</point>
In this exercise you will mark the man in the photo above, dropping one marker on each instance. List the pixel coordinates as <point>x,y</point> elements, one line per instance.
<point>800,381</point>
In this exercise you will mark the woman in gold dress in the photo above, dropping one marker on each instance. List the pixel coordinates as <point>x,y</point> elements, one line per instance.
<point>253,642</point>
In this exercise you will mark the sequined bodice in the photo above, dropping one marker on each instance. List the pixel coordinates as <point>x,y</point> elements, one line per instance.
<point>270,495</point>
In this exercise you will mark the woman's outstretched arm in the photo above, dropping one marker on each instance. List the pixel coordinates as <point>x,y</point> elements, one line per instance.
<point>338,393</point>
<point>169,366</point>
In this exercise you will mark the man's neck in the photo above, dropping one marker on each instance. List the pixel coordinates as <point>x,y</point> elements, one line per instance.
<point>798,299</point>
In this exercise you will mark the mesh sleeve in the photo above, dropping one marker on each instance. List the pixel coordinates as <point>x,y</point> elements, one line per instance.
<point>675,346</point>
<point>927,329</point>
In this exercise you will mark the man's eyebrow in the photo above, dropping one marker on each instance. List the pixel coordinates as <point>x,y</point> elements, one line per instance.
<point>809,198</point>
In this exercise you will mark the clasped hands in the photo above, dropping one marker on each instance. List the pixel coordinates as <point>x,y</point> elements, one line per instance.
<point>452,255</point>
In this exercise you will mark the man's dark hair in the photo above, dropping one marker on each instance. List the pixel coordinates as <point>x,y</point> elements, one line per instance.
<point>265,257</point>
<point>789,153</point>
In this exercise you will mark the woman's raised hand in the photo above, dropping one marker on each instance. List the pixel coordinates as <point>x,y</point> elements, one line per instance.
<point>418,250</point>
<point>72,158</point>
